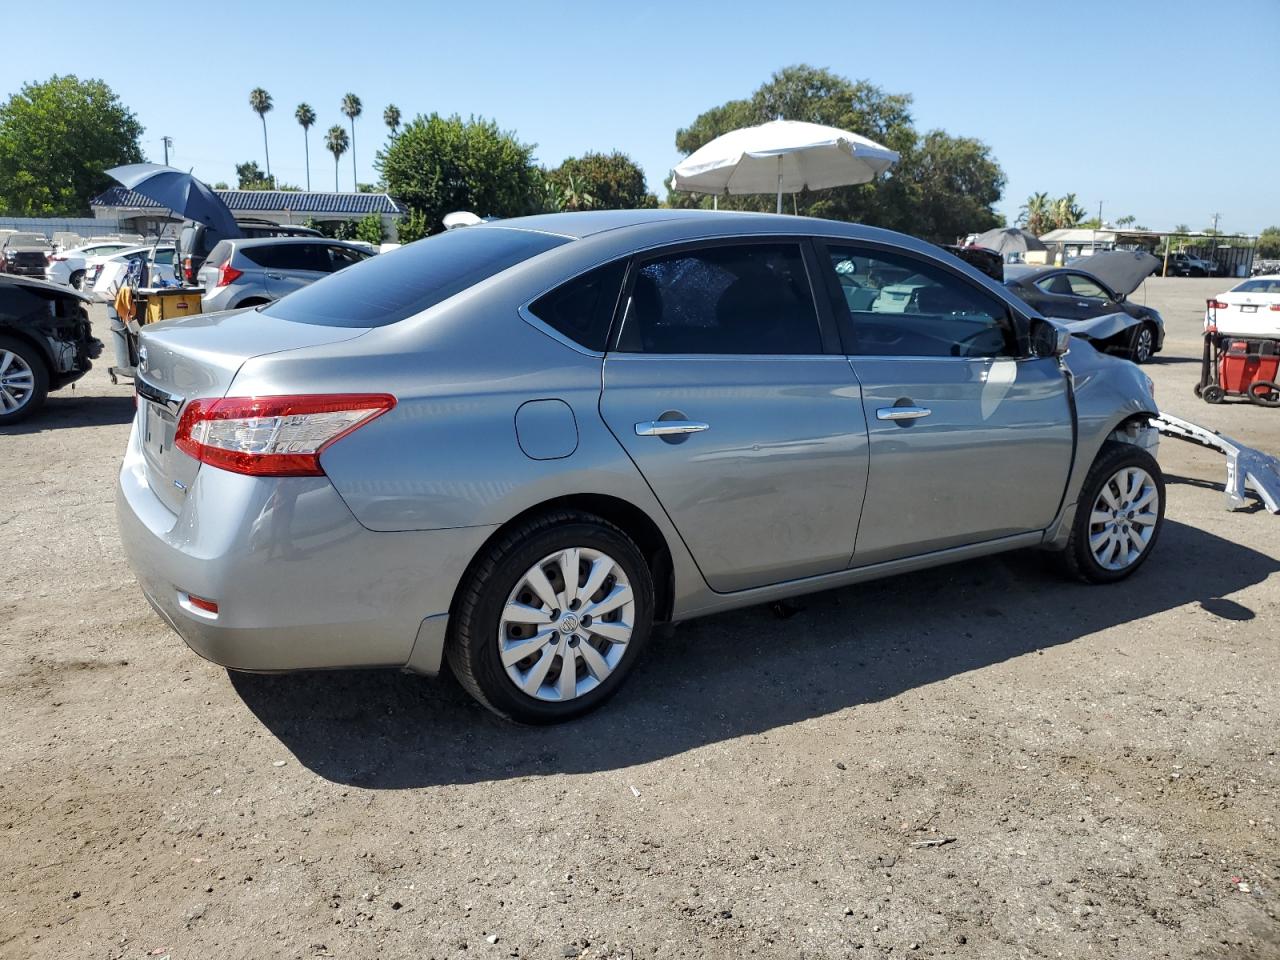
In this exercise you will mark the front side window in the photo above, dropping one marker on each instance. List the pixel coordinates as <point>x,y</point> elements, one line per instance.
<point>1082,286</point>
<point>898,306</point>
<point>582,309</point>
<point>746,299</point>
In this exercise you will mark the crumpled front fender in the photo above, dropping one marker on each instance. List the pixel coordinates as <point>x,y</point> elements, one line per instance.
<point>1104,327</point>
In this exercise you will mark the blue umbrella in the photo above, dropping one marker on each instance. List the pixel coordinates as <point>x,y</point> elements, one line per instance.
<point>182,193</point>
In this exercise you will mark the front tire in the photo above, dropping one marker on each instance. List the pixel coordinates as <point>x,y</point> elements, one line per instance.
<point>551,618</point>
<point>24,380</point>
<point>1118,516</point>
<point>1142,344</point>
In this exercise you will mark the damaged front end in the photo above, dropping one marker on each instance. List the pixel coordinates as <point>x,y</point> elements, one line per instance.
<point>55,321</point>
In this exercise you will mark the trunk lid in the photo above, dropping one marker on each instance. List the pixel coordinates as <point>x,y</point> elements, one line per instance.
<point>198,357</point>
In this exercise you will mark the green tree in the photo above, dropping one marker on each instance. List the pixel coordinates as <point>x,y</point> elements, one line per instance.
<point>369,229</point>
<point>335,141</point>
<point>412,226</point>
<point>249,176</point>
<point>610,181</point>
<point>1036,215</point>
<point>56,139</point>
<point>352,108</point>
<point>1066,212</point>
<point>391,117</point>
<point>1269,243</point>
<point>436,165</point>
<point>306,118</point>
<point>941,188</point>
<point>260,103</point>
<point>221,185</point>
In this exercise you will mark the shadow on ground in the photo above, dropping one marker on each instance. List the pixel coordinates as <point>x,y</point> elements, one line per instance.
<point>66,410</point>
<point>743,672</point>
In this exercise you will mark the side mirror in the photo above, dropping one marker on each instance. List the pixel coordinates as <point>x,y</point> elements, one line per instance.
<point>1048,339</point>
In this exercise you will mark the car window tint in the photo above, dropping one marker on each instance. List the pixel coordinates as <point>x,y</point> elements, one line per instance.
<point>1056,284</point>
<point>164,255</point>
<point>1082,286</point>
<point>734,299</point>
<point>583,308</point>
<point>897,306</point>
<point>392,286</point>
<point>334,258</point>
<point>1257,286</point>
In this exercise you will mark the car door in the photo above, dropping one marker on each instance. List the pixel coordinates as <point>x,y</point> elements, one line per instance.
<point>971,438</point>
<point>1092,299</point>
<point>292,266</point>
<point>1054,297</point>
<point>739,410</point>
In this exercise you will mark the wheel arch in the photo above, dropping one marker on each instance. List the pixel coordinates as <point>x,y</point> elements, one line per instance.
<point>632,520</point>
<point>42,349</point>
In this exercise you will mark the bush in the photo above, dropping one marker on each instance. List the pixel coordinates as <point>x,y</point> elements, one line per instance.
<point>369,229</point>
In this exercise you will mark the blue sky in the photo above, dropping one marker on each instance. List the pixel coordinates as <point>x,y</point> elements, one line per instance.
<point>1165,110</point>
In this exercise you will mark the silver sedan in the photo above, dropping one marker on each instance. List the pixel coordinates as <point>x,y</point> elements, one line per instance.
<point>515,447</point>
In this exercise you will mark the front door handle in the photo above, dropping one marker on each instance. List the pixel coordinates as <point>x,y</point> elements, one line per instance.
<point>902,413</point>
<point>669,428</point>
<point>274,276</point>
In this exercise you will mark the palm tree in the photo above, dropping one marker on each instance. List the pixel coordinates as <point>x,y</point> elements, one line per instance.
<point>261,103</point>
<point>336,142</point>
<point>391,117</point>
<point>1036,214</point>
<point>306,117</point>
<point>1066,212</point>
<point>352,108</point>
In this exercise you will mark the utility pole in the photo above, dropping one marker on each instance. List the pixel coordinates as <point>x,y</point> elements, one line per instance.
<point>168,142</point>
<point>1216,218</point>
<point>1099,214</point>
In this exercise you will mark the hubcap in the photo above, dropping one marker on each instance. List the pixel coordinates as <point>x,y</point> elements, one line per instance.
<point>17,382</point>
<point>1123,518</point>
<point>1144,344</point>
<point>566,625</point>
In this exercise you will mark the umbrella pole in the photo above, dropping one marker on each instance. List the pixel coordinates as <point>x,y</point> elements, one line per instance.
<point>779,183</point>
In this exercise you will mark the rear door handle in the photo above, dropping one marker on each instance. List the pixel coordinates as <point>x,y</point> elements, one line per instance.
<point>274,276</point>
<point>902,413</point>
<point>668,428</point>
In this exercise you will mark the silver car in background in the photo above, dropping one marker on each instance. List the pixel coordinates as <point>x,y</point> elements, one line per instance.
<point>251,272</point>
<point>517,446</point>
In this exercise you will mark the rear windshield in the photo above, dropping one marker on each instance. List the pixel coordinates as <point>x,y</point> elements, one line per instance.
<point>387,288</point>
<point>1268,285</point>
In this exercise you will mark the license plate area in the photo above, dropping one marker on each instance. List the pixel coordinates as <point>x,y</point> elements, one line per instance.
<point>1248,308</point>
<point>159,427</point>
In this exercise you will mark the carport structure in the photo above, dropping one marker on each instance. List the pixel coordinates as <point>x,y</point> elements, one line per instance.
<point>1232,253</point>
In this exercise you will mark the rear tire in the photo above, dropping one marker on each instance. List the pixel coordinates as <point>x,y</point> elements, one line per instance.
<point>24,380</point>
<point>1119,515</point>
<point>516,600</point>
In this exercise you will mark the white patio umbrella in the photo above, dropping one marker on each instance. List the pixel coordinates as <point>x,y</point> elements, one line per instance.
<point>783,155</point>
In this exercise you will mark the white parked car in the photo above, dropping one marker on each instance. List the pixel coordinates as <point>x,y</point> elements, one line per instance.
<point>1249,309</point>
<point>67,267</point>
<point>112,272</point>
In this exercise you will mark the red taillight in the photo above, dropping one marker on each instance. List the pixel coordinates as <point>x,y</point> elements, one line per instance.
<point>188,274</point>
<point>227,274</point>
<point>1274,306</point>
<point>55,256</point>
<point>274,436</point>
<point>1218,305</point>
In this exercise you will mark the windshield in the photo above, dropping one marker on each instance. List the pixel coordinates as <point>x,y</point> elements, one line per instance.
<point>387,288</point>
<point>1261,285</point>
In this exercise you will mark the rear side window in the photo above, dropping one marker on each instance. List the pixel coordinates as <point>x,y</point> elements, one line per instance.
<point>583,308</point>
<point>388,288</point>
<point>287,256</point>
<point>219,255</point>
<point>734,299</point>
<point>336,258</point>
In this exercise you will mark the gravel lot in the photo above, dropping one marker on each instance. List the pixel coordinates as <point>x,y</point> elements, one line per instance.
<point>979,761</point>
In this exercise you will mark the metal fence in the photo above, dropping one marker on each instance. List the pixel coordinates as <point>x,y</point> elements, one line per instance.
<point>86,227</point>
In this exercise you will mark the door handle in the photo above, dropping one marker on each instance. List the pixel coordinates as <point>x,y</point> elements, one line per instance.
<point>669,428</point>
<point>274,276</point>
<point>902,413</point>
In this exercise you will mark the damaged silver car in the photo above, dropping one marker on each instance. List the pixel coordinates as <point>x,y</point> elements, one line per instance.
<point>1091,296</point>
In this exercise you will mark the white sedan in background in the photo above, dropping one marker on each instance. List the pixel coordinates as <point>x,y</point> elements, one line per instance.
<point>108,277</point>
<point>1249,309</point>
<point>67,267</point>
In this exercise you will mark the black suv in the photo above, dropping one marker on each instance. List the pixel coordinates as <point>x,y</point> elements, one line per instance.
<point>194,242</point>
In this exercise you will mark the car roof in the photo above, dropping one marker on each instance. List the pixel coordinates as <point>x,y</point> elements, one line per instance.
<point>275,241</point>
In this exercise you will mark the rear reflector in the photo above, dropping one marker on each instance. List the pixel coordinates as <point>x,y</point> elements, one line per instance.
<point>274,436</point>
<point>200,603</point>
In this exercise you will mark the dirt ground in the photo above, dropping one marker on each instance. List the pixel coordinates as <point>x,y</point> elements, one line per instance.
<point>980,761</point>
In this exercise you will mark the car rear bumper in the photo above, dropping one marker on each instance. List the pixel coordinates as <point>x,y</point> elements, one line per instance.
<point>299,583</point>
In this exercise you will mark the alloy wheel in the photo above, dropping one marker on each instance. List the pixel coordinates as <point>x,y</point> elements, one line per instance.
<point>17,382</point>
<point>1123,518</point>
<point>1142,348</point>
<point>566,625</point>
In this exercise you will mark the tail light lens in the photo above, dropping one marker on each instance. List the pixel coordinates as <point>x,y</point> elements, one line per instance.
<point>274,436</point>
<point>227,274</point>
<point>188,274</point>
<point>1274,306</point>
<point>1218,305</point>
